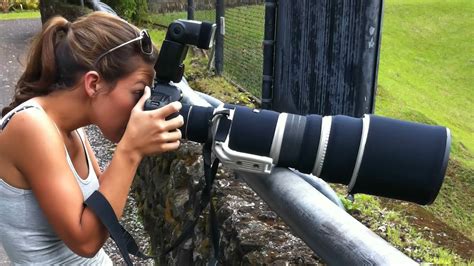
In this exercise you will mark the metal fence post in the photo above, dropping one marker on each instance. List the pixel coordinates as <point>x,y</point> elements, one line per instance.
<point>219,49</point>
<point>326,56</point>
<point>191,9</point>
<point>268,53</point>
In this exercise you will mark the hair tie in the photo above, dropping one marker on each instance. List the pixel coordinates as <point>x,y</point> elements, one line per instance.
<point>67,26</point>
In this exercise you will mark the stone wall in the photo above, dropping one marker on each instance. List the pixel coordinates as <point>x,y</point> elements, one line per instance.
<point>167,190</point>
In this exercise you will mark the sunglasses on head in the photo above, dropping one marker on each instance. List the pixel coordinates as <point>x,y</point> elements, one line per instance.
<point>145,45</point>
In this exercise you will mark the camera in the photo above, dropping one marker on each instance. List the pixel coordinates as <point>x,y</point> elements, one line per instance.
<point>373,155</point>
<point>169,66</point>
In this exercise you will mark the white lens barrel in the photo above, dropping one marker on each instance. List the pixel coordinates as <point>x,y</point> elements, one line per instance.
<point>360,154</point>
<point>278,137</point>
<point>323,144</point>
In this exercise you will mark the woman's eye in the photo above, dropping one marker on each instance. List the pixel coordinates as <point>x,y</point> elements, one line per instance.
<point>138,93</point>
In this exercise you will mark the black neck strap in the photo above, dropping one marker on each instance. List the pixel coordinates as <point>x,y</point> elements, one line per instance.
<point>125,242</point>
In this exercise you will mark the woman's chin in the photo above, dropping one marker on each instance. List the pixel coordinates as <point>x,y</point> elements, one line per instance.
<point>115,138</point>
<point>114,135</point>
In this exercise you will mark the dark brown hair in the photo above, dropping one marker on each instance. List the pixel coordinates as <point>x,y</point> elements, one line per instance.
<point>63,51</point>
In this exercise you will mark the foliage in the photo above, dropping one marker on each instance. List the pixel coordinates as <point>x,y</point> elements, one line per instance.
<point>131,10</point>
<point>125,8</point>
<point>25,5</point>
<point>396,229</point>
<point>141,11</point>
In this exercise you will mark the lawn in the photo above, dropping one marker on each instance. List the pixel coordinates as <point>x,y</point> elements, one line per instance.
<point>426,74</point>
<point>20,15</point>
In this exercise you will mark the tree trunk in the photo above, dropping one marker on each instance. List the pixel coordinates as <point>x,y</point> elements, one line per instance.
<point>50,8</point>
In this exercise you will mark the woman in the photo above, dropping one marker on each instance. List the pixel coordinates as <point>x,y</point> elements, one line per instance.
<point>95,70</point>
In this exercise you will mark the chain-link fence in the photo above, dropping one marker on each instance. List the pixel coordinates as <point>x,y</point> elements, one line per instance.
<point>243,55</point>
<point>163,12</point>
<point>244,28</point>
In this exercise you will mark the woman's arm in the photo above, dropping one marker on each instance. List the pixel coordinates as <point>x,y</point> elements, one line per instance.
<point>37,150</point>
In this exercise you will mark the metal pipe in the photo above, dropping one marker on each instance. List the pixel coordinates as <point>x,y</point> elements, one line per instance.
<point>189,95</point>
<point>335,236</point>
<point>268,53</point>
<point>211,100</point>
<point>97,5</point>
<point>322,187</point>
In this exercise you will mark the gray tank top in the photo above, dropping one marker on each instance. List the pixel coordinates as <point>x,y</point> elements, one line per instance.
<point>25,234</point>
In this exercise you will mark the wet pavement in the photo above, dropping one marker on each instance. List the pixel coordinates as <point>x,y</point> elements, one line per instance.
<point>15,36</point>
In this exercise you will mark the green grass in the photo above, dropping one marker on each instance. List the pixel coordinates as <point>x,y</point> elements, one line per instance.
<point>157,36</point>
<point>426,74</point>
<point>397,230</point>
<point>20,15</point>
<point>167,18</point>
<point>427,67</point>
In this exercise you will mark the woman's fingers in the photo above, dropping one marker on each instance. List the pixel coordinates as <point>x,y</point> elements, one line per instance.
<point>166,110</point>
<point>173,123</point>
<point>170,136</point>
<point>149,132</point>
<point>141,102</point>
<point>169,146</point>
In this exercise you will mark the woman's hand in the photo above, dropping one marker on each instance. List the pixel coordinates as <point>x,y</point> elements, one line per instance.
<point>148,132</point>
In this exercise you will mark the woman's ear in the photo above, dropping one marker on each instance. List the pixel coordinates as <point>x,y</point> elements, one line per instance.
<point>92,83</point>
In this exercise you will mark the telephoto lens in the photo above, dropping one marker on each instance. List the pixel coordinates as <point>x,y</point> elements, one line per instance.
<point>373,155</point>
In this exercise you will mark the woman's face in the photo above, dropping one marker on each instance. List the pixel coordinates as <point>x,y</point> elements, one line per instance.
<point>113,106</point>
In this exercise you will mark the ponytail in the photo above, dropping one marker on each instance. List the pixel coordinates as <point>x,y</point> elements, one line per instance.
<point>64,51</point>
<point>40,72</point>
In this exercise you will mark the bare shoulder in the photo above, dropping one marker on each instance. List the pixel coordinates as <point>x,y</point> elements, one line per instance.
<point>26,127</point>
<point>36,149</point>
<point>29,134</point>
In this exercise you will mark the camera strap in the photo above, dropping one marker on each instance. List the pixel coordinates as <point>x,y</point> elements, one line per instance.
<point>125,242</point>
<point>210,171</point>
